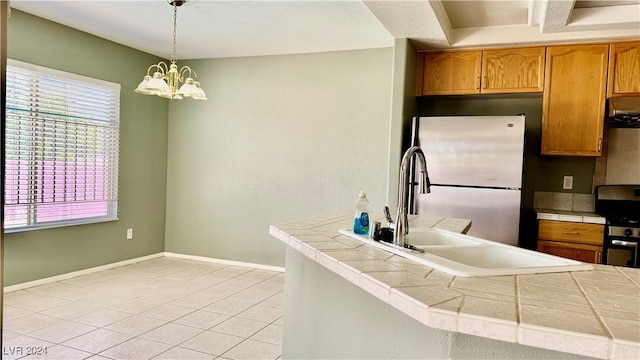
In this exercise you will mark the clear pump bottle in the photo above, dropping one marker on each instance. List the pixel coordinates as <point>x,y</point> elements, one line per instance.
<point>361,218</point>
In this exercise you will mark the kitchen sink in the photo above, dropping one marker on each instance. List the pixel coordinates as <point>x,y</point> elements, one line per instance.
<point>495,257</point>
<point>468,256</point>
<point>420,237</point>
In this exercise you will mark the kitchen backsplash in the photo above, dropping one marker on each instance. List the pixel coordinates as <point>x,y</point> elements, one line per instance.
<point>623,156</point>
<point>563,201</point>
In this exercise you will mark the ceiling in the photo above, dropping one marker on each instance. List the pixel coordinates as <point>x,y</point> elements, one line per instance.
<point>233,28</point>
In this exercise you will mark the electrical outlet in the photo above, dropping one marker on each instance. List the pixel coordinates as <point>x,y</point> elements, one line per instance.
<point>129,234</point>
<point>567,182</point>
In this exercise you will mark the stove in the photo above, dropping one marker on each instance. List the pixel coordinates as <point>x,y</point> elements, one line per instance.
<point>620,205</point>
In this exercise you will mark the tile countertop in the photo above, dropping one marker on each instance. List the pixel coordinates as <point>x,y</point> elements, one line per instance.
<point>571,216</point>
<point>591,313</point>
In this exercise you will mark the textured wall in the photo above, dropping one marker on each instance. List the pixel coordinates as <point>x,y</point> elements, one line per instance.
<point>281,137</point>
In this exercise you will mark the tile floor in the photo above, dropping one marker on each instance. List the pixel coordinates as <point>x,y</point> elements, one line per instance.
<point>164,308</point>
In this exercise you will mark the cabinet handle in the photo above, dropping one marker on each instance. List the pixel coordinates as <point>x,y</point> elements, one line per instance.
<point>484,82</point>
<point>624,243</point>
<point>478,83</point>
<point>599,261</point>
<point>571,233</point>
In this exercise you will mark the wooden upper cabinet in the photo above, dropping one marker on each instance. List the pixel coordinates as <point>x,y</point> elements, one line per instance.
<point>513,70</point>
<point>624,69</point>
<point>574,100</point>
<point>449,72</point>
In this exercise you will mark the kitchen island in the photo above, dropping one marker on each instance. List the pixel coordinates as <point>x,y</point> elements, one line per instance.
<point>346,299</point>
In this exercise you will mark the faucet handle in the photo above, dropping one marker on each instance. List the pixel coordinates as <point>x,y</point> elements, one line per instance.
<point>387,214</point>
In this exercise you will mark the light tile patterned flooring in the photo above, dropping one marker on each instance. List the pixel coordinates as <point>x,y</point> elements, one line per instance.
<point>163,308</point>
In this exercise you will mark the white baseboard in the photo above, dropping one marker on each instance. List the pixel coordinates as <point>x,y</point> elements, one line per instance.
<point>66,276</point>
<point>72,274</point>
<point>226,262</point>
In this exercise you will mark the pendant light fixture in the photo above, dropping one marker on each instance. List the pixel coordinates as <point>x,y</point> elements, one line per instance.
<point>166,80</point>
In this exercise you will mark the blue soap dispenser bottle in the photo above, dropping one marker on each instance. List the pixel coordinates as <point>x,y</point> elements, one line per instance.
<point>361,218</point>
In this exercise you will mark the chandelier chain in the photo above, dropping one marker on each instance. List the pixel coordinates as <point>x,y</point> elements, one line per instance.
<point>174,57</point>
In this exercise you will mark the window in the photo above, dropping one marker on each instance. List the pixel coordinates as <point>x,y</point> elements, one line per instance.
<point>61,148</point>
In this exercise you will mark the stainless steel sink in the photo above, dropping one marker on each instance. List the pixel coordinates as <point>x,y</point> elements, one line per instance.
<point>468,256</point>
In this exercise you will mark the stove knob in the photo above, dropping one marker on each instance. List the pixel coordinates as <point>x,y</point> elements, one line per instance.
<point>628,232</point>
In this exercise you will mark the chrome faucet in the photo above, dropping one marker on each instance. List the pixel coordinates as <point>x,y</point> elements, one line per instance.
<point>402,225</point>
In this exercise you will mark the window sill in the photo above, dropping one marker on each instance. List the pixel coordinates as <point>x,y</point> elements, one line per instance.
<point>57,225</point>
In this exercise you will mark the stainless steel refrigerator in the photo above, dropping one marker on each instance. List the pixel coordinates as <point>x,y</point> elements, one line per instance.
<point>475,169</point>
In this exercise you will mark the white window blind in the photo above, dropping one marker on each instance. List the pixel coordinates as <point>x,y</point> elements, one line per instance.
<point>61,148</point>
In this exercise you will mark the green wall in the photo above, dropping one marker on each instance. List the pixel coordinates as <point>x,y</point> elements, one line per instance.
<point>281,137</point>
<point>143,152</point>
<point>403,109</point>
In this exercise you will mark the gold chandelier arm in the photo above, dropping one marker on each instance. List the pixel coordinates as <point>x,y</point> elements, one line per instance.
<point>191,72</point>
<point>161,67</point>
<point>195,76</point>
<point>164,68</point>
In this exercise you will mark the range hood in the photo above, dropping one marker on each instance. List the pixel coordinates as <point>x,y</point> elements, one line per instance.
<point>625,110</point>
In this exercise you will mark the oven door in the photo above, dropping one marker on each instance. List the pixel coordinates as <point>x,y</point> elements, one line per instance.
<point>621,252</point>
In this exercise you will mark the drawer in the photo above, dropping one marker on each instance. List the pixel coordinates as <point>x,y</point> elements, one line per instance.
<point>582,233</point>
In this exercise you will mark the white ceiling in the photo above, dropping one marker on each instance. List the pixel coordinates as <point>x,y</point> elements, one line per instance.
<point>232,28</point>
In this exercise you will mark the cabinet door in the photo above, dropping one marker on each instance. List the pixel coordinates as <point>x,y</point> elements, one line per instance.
<point>513,70</point>
<point>580,252</point>
<point>574,100</point>
<point>624,69</point>
<point>449,73</point>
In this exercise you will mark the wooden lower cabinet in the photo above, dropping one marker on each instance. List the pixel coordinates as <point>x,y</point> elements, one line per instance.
<point>580,252</point>
<point>577,241</point>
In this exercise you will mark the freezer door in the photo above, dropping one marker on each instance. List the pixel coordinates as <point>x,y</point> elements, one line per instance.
<point>494,213</point>
<point>473,150</point>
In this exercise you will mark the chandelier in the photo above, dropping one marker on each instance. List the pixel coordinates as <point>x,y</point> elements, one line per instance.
<point>166,80</point>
